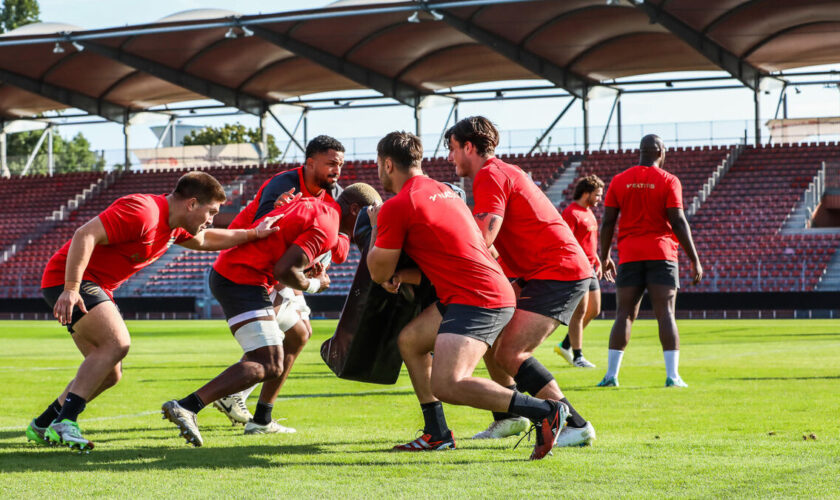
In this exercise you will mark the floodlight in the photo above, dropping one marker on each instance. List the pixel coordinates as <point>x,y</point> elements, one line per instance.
<point>414,17</point>
<point>58,49</point>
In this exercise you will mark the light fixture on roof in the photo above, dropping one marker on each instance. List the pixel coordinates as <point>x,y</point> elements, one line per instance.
<point>796,89</point>
<point>414,17</point>
<point>613,2</point>
<point>58,49</point>
<point>78,46</point>
<point>246,31</point>
<point>436,15</point>
<point>231,34</point>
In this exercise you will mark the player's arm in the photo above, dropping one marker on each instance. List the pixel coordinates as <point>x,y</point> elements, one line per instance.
<point>221,239</point>
<point>676,216</point>
<point>82,245</point>
<point>410,276</point>
<point>381,262</point>
<point>489,225</point>
<point>607,231</point>
<point>289,271</point>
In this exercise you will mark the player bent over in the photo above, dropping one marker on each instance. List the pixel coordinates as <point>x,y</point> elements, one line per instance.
<point>316,178</point>
<point>241,279</point>
<point>433,226</point>
<point>80,279</point>
<point>536,244</point>
<point>651,228</point>
<point>578,215</point>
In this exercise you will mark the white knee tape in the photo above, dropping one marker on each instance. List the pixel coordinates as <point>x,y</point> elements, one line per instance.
<point>301,307</point>
<point>258,334</point>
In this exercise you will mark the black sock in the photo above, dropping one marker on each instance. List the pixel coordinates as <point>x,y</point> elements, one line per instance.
<point>578,353</point>
<point>49,414</point>
<point>192,403</point>
<point>262,415</point>
<point>529,407</point>
<point>73,405</point>
<point>574,419</point>
<point>435,421</point>
<point>498,415</point>
<point>566,342</point>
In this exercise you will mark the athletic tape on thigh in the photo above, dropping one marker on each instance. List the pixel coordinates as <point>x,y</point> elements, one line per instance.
<point>256,313</point>
<point>258,334</point>
<point>287,315</point>
<point>301,306</point>
<point>532,376</point>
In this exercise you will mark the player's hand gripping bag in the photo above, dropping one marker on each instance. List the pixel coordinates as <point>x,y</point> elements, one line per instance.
<point>364,346</point>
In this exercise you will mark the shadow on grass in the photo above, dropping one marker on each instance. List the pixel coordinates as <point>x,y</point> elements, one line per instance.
<point>144,459</point>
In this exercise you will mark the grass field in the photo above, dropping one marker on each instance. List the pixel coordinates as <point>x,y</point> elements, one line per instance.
<point>756,387</point>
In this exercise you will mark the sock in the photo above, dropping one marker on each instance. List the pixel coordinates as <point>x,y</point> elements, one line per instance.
<point>613,362</point>
<point>262,415</point>
<point>49,414</point>
<point>498,415</point>
<point>247,392</point>
<point>566,343</point>
<point>578,353</point>
<point>574,419</point>
<point>532,376</point>
<point>672,364</point>
<point>73,405</point>
<point>529,407</point>
<point>192,403</point>
<point>435,421</point>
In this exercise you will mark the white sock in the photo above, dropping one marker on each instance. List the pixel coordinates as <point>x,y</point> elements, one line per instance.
<point>247,392</point>
<point>672,364</point>
<point>613,363</point>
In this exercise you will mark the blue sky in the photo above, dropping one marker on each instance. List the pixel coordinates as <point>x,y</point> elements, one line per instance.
<point>715,113</point>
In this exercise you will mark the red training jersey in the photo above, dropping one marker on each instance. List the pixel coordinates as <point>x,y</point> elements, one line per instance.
<point>278,184</point>
<point>308,223</point>
<point>534,240</point>
<point>433,226</point>
<point>584,226</point>
<point>138,232</point>
<point>642,194</point>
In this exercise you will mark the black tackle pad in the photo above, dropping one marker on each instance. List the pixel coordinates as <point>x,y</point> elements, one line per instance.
<point>364,346</point>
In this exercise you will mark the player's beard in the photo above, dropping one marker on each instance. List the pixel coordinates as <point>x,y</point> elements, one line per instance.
<point>327,182</point>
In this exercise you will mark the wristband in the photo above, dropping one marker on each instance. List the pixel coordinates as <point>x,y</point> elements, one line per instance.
<point>314,286</point>
<point>72,286</point>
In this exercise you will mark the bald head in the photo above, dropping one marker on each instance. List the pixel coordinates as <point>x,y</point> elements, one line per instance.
<point>652,150</point>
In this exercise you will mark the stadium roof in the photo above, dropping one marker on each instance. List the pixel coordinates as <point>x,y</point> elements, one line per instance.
<point>404,50</point>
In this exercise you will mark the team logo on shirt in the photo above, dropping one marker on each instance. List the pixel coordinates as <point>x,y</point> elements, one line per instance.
<point>641,185</point>
<point>448,194</point>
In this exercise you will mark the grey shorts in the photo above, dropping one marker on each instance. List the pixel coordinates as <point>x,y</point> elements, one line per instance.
<point>642,273</point>
<point>552,298</point>
<point>594,284</point>
<point>92,294</point>
<point>475,322</point>
<point>237,299</point>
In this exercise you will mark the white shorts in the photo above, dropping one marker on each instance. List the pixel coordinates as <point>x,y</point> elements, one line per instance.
<point>257,334</point>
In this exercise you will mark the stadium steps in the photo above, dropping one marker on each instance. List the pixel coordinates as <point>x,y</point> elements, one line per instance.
<point>556,192</point>
<point>139,282</point>
<point>799,220</point>
<point>706,190</point>
<point>830,281</point>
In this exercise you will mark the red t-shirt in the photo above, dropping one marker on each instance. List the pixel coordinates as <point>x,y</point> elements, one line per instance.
<point>642,194</point>
<point>431,224</point>
<point>534,241</point>
<point>308,223</point>
<point>584,226</point>
<point>278,184</point>
<point>138,232</point>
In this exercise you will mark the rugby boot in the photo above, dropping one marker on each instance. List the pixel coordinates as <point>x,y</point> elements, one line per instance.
<point>67,433</point>
<point>185,420</point>
<point>425,443</point>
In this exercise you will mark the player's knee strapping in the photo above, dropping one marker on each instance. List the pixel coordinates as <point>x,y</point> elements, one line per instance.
<point>260,333</point>
<point>532,376</point>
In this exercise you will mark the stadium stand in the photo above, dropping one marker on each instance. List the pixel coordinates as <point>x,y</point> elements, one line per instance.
<point>737,227</point>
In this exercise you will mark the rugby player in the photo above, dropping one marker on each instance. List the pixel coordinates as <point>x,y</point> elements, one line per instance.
<point>317,178</point>
<point>81,277</point>
<point>537,246</point>
<point>241,279</point>
<point>651,228</point>
<point>578,215</point>
<point>433,226</point>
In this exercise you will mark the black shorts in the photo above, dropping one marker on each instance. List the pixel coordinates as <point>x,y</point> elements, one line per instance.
<point>237,299</point>
<point>92,294</point>
<point>594,284</point>
<point>648,272</point>
<point>478,323</point>
<point>552,298</point>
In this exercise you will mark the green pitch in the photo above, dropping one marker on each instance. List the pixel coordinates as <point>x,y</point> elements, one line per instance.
<point>756,388</point>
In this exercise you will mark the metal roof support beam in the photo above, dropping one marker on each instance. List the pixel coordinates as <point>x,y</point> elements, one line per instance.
<point>551,127</point>
<point>387,86</point>
<point>573,83</point>
<point>91,105</point>
<point>226,95</point>
<point>609,121</point>
<point>743,71</point>
<point>290,134</point>
<point>35,150</point>
<point>452,112</point>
